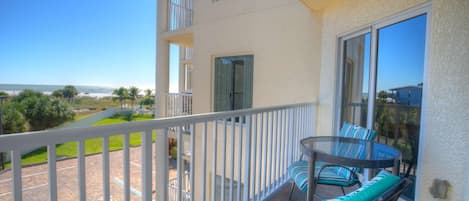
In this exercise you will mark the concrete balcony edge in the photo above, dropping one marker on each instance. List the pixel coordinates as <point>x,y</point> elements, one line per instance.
<point>180,36</point>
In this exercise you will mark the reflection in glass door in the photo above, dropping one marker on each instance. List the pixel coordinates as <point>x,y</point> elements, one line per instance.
<point>355,80</point>
<point>381,84</point>
<point>399,81</point>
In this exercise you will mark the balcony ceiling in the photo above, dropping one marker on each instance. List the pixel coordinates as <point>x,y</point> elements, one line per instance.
<point>182,37</point>
<point>318,5</point>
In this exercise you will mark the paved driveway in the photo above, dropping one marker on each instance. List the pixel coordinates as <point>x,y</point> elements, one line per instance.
<point>35,184</point>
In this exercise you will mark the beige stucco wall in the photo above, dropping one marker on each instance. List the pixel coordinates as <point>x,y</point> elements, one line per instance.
<point>283,36</point>
<point>446,132</point>
<point>444,151</point>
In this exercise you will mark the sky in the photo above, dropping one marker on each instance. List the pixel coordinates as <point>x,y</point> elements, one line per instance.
<point>401,51</point>
<point>113,43</point>
<point>81,42</point>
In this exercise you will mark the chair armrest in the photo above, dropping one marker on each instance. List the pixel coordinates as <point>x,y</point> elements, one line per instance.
<point>354,174</point>
<point>394,192</point>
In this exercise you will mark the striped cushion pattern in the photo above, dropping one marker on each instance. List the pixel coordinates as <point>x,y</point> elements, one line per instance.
<point>298,171</point>
<point>373,189</point>
<point>347,150</point>
<point>355,131</point>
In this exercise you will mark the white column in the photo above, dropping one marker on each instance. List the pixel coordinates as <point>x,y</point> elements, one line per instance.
<point>162,61</point>
<point>161,89</point>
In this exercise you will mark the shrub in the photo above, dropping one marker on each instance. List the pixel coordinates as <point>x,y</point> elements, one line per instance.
<point>128,116</point>
<point>12,120</point>
<point>44,112</point>
<point>174,152</point>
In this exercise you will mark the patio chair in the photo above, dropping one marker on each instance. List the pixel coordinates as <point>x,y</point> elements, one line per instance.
<point>330,174</point>
<point>383,187</point>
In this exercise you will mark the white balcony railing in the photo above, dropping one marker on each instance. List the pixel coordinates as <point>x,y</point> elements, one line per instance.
<point>178,104</point>
<point>262,143</point>
<point>179,14</point>
<point>173,189</point>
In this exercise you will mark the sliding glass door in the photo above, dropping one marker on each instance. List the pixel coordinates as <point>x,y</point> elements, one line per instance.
<point>356,74</point>
<point>381,83</point>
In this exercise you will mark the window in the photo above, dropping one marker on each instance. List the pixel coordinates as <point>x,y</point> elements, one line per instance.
<point>233,83</point>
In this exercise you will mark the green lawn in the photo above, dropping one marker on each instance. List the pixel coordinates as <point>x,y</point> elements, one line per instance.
<point>92,146</point>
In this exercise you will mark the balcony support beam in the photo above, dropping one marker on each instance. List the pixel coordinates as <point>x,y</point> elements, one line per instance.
<point>162,61</point>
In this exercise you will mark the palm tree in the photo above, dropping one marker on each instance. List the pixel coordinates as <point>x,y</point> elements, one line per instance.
<point>148,93</point>
<point>122,94</point>
<point>69,92</point>
<point>133,94</point>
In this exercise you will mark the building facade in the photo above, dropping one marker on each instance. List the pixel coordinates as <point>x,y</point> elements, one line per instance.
<point>296,56</point>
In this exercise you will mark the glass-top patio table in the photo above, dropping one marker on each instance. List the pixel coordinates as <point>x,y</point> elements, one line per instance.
<point>336,150</point>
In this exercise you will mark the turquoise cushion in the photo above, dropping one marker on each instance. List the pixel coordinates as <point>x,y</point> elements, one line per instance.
<point>298,171</point>
<point>347,150</point>
<point>373,189</point>
<point>355,131</point>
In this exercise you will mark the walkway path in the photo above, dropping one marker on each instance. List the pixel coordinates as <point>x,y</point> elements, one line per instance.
<point>89,121</point>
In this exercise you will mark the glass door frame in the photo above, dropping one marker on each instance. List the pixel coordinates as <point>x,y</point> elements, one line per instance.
<point>373,29</point>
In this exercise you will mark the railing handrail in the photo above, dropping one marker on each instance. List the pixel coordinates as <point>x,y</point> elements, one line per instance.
<point>180,94</point>
<point>179,15</point>
<point>40,138</point>
<point>390,105</point>
<point>180,6</point>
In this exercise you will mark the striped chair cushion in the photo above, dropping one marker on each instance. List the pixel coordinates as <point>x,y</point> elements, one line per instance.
<point>355,131</point>
<point>347,150</point>
<point>373,189</point>
<point>298,171</point>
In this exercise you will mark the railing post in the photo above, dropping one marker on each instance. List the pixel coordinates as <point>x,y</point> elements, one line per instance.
<point>180,163</point>
<point>204,161</point>
<point>247,163</point>
<point>161,166</point>
<point>126,166</point>
<point>261,137</point>
<point>240,154</point>
<point>16,167</point>
<point>81,170</point>
<point>106,188</point>
<point>232,158</point>
<point>192,176</point>
<point>214,161</point>
<point>146,165</point>
<point>51,160</point>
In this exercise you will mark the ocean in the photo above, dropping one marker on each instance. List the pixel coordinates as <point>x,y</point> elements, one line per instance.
<point>91,91</point>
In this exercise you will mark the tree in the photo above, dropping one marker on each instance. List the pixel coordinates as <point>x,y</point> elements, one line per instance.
<point>383,94</point>
<point>69,92</point>
<point>2,93</point>
<point>45,112</point>
<point>147,101</point>
<point>133,94</point>
<point>148,93</point>
<point>121,94</point>
<point>12,119</point>
<point>149,98</point>
<point>27,93</point>
<point>59,93</point>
